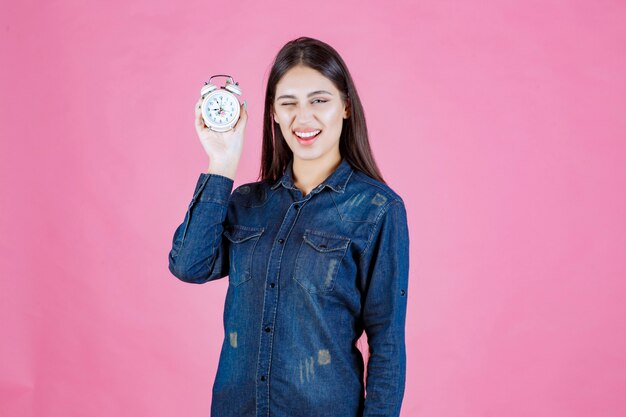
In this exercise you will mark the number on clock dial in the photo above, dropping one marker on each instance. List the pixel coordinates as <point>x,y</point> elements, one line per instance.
<point>222,109</point>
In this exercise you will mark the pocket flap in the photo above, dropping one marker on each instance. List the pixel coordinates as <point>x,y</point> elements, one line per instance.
<point>237,233</point>
<point>325,242</point>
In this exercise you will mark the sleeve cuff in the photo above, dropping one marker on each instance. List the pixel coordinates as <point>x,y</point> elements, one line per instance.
<point>213,188</point>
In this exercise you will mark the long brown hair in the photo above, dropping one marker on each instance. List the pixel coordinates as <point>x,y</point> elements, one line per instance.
<point>353,144</point>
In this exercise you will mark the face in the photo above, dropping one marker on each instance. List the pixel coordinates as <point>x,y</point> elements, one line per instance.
<point>306,101</point>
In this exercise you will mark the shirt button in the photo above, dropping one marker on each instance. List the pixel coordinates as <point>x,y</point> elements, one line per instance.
<point>268,329</point>
<point>262,377</point>
<point>296,206</point>
<point>281,240</point>
<point>272,285</point>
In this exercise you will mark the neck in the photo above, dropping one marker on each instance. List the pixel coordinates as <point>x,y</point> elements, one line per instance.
<point>309,174</point>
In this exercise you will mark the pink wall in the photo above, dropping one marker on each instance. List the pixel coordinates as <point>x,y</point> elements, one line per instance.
<point>500,123</point>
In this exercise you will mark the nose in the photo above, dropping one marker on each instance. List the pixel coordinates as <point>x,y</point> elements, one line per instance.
<point>304,115</point>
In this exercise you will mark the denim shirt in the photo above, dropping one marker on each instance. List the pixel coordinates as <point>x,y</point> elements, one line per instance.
<point>307,275</point>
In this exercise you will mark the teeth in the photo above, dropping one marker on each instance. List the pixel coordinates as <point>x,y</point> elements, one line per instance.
<point>307,135</point>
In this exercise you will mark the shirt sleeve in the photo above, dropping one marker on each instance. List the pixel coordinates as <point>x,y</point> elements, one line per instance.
<point>198,252</point>
<point>384,278</point>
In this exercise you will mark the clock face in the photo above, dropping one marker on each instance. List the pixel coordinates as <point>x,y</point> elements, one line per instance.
<point>220,108</point>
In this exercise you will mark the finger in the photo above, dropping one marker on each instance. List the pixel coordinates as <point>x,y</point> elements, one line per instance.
<point>243,118</point>
<point>198,106</point>
<point>200,122</point>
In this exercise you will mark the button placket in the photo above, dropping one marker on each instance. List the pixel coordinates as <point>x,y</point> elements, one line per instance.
<point>270,304</point>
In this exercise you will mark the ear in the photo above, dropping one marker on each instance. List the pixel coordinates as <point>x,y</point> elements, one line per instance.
<point>346,113</point>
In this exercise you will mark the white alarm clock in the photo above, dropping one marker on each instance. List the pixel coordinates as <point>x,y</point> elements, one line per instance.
<point>220,106</point>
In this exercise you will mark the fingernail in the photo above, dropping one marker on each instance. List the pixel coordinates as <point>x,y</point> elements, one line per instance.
<point>245,105</point>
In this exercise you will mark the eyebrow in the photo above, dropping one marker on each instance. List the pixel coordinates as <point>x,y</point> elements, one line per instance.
<point>308,95</point>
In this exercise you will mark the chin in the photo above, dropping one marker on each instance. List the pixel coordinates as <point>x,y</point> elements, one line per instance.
<point>306,156</point>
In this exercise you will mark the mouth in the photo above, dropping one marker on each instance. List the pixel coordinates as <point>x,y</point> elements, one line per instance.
<point>306,138</point>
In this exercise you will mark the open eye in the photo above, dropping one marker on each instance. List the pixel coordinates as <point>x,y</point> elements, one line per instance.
<point>320,100</point>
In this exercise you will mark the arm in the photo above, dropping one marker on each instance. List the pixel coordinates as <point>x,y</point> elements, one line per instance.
<point>198,252</point>
<point>384,277</point>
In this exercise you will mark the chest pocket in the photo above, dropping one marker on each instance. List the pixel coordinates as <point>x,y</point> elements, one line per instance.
<point>318,259</point>
<point>243,241</point>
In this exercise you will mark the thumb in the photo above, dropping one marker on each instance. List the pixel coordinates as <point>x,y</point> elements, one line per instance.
<point>243,118</point>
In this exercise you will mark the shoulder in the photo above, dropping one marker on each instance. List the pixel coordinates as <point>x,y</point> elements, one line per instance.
<point>250,194</point>
<point>367,199</point>
<point>383,193</point>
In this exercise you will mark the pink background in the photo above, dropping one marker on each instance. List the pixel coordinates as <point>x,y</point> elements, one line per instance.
<point>500,123</point>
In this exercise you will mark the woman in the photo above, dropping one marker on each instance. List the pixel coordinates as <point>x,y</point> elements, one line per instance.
<point>316,252</point>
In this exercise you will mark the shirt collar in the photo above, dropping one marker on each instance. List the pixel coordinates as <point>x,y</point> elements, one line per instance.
<point>336,181</point>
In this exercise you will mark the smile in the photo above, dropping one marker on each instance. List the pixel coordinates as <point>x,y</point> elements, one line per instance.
<point>307,138</point>
<point>307,135</point>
